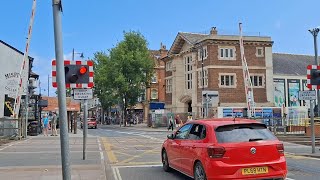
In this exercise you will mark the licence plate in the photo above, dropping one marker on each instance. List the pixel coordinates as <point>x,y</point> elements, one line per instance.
<point>254,170</point>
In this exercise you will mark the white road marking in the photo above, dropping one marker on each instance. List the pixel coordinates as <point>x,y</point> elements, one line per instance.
<point>14,143</point>
<point>289,179</point>
<point>102,158</point>
<point>116,173</point>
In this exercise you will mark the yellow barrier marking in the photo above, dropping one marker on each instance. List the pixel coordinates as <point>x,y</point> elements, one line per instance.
<point>139,155</point>
<point>107,146</point>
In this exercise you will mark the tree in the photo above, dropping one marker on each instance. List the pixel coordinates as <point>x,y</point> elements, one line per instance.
<point>125,72</point>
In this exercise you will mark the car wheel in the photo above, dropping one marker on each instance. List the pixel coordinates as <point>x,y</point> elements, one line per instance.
<point>165,162</point>
<point>95,127</point>
<point>199,173</point>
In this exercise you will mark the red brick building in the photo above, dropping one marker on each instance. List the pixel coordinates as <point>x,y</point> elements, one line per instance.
<point>222,69</point>
<point>156,92</point>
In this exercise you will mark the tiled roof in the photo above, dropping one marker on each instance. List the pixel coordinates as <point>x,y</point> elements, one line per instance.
<point>291,64</point>
<point>193,37</point>
<point>53,104</point>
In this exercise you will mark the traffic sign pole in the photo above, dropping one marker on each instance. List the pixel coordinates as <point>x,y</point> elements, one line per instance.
<point>85,127</point>
<point>64,135</point>
<point>313,142</point>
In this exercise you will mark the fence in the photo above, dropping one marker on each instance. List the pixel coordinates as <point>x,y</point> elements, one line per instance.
<point>10,128</point>
<point>162,119</point>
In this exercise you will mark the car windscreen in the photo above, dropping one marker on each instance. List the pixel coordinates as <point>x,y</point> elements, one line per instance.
<point>243,133</point>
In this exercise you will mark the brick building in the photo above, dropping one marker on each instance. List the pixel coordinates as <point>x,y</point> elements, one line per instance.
<point>222,70</point>
<point>155,94</point>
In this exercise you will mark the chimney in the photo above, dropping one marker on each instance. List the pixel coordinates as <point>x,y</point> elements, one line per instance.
<point>163,50</point>
<point>213,31</point>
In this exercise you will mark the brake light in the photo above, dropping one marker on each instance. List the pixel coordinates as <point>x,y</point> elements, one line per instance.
<point>280,148</point>
<point>215,152</point>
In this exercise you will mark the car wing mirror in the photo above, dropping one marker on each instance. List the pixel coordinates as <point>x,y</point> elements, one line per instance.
<point>170,136</point>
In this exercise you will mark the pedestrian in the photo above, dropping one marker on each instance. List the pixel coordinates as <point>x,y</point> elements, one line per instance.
<point>45,124</point>
<point>170,123</point>
<point>178,121</point>
<point>54,125</point>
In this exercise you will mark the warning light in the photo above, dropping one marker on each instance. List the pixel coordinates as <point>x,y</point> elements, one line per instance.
<point>82,70</point>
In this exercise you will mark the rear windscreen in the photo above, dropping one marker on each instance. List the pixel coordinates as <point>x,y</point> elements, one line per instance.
<point>243,133</point>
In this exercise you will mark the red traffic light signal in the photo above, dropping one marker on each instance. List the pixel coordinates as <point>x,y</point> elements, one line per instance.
<point>82,70</point>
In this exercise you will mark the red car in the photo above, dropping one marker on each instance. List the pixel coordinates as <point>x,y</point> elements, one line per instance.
<point>225,148</point>
<point>92,123</point>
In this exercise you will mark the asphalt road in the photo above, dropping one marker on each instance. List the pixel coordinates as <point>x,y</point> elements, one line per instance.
<point>133,154</point>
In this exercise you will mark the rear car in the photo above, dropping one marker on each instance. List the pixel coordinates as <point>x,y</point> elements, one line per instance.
<point>225,149</point>
<point>92,123</point>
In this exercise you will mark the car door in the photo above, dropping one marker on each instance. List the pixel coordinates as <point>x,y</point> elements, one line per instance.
<point>192,147</point>
<point>180,136</point>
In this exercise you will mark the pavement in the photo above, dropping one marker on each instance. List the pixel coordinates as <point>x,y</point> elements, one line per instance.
<point>39,157</point>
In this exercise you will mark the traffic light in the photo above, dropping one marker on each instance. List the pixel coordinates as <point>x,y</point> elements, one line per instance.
<point>315,77</point>
<point>76,73</point>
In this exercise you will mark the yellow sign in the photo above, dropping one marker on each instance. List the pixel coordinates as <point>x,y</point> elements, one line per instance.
<point>254,170</point>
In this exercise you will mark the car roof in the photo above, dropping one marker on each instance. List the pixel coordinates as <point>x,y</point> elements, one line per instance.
<point>216,122</point>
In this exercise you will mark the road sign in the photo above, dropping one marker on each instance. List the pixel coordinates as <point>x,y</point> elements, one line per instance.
<point>307,95</point>
<point>79,94</point>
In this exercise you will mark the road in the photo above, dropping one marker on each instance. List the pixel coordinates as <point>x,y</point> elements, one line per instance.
<point>135,154</point>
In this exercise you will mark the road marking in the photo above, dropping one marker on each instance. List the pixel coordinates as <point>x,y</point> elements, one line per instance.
<point>107,146</point>
<point>296,156</point>
<point>133,164</point>
<point>139,155</point>
<point>102,158</point>
<point>140,166</point>
<point>289,179</point>
<point>14,143</point>
<point>116,173</point>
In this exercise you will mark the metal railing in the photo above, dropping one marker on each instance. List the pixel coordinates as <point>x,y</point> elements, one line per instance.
<point>10,128</point>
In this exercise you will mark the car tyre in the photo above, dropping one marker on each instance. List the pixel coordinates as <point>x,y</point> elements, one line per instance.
<point>95,127</point>
<point>199,172</point>
<point>165,162</point>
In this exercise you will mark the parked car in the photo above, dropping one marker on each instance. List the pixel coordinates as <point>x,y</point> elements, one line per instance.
<point>226,148</point>
<point>92,123</point>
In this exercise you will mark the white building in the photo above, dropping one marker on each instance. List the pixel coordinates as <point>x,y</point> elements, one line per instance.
<point>10,66</point>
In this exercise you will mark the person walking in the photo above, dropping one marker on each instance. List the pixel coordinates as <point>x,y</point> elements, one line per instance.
<point>45,124</point>
<point>170,123</point>
<point>54,124</point>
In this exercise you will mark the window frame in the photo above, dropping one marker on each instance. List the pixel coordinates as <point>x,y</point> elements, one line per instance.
<point>224,52</point>
<point>188,68</point>
<point>205,50</point>
<point>200,80</point>
<point>262,51</point>
<point>186,135</point>
<point>154,77</point>
<point>263,84</point>
<point>203,130</point>
<point>169,85</point>
<point>157,93</point>
<point>228,74</point>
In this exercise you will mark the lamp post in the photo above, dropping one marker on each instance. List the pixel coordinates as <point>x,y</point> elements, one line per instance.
<point>73,53</point>
<point>314,33</point>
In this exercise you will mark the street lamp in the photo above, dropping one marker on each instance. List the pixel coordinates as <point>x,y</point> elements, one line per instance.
<point>314,33</point>
<point>73,53</point>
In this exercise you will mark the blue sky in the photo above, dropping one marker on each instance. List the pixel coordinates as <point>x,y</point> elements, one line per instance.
<point>97,25</point>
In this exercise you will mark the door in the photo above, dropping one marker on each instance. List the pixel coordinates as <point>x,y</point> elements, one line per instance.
<point>176,146</point>
<point>192,147</point>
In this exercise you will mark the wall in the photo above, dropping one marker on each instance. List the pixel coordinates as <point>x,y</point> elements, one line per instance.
<point>10,65</point>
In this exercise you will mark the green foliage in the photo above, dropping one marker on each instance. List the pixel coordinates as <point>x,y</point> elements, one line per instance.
<point>124,72</point>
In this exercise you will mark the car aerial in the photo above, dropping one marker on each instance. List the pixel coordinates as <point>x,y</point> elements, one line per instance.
<point>92,123</point>
<point>224,148</point>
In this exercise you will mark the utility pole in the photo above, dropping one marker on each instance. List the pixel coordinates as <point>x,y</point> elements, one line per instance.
<point>314,33</point>
<point>85,127</point>
<point>64,136</point>
<point>27,109</point>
